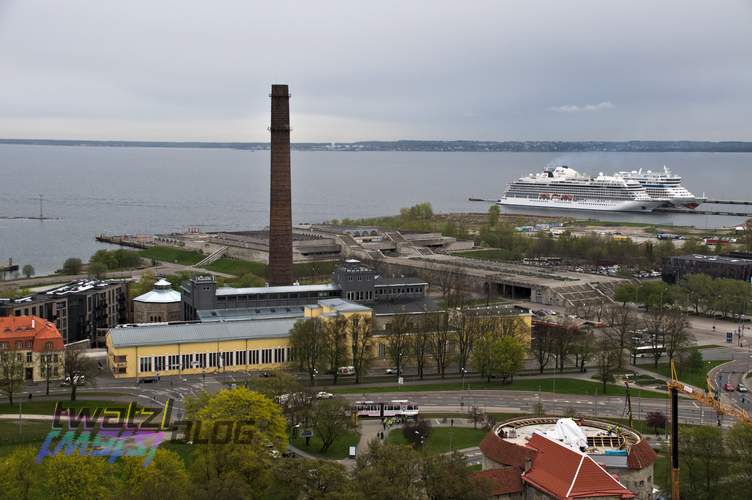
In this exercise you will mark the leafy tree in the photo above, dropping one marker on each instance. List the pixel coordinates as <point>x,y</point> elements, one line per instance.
<point>697,291</point>
<point>72,265</point>
<point>310,479</point>
<point>166,474</point>
<point>97,270</point>
<point>388,472</point>
<point>28,270</point>
<point>507,357</point>
<point>416,433</point>
<point>705,466</point>
<point>11,371</point>
<point>308,342</point>
<point>583,348</point>
<point>20,475</point>
<point>73,476</point>
<point>248,280</point>
<point>739,446</point>
<point>242,404</point>
<point>493,215</point>
<point>331,418</point>
<point>447,477</point>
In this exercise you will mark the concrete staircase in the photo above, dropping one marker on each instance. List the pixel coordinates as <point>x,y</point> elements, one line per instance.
<point>212,257</point>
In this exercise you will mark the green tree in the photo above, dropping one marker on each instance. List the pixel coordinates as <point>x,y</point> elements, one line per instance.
<point>493,215</point>
<point>28,270</point>
<point>331,418</point>
<point>447,477</point>
<point>248,280</point>
<point>97,270</point>
<point>144,284</point>
<point>705,466</point>
<point>739,446</point>
<point>697,291</point>
<point>388,472</point>
<point>166,474</point>
<point>72,477</point>
<point>507,357</point>
<point>72,266</point>
<point>311,480</point>
<point>20,475</point>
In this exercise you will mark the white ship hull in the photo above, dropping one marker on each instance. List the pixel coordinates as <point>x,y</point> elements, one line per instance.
<point>601,205</point>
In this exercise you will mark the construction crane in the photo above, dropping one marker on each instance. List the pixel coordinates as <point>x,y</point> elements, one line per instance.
<point>708,398</point>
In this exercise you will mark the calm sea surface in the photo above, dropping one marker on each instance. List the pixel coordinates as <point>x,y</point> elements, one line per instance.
<point>132,190</point>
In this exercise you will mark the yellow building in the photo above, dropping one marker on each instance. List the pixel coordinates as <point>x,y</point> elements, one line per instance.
<point>146,351</point>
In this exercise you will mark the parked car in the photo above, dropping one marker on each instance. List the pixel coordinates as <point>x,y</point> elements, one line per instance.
<point>77,380</point>
<point>346,370</point>
<point>392,371</point>
<point>741,387</point>
<point>324,395</point>
<point>728,387</point>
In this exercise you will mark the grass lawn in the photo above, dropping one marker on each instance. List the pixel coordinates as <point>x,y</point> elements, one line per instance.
<point>46,407</point>
<point>336,451</point>
<point>237,267</point>
<point>443,439</point>
<point>170,254</point>
<point>696,378</point>
<point>561,386</point>
<point>475,468</point>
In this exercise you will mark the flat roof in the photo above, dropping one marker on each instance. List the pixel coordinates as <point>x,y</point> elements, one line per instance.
<point>248,313</point>
<point>228,291</point>
<point>343,305</point>
<point>187,333</point>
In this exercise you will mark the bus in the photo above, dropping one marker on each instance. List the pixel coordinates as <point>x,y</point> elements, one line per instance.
<point>648,351</point>
<point>394,408</point>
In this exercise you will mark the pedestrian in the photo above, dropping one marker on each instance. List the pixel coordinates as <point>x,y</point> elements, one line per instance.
<point>30,397</point>
<point>383,422</point>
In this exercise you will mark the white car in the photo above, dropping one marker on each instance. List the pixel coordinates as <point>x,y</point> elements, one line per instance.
<point>392,371</point>
<point>324,395</point>
<point>77,380</point>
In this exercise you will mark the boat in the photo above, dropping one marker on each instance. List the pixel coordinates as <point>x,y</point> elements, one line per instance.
<point>664,186</point>
<point>563,187</point>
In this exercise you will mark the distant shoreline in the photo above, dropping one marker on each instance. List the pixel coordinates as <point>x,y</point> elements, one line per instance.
<point>428,146</point>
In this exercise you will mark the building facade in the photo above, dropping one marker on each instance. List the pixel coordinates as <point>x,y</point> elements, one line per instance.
<point>37,346</point>
<point>161,304</point>
<point>717,266</point>
<point>81,310</point>
<point>352,281</point>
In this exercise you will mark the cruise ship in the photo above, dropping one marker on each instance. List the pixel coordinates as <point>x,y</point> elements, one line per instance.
<point>565,188</point>
<point>664,186</point>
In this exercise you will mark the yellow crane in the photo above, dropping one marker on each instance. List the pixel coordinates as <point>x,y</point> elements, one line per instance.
<point>707,398</point>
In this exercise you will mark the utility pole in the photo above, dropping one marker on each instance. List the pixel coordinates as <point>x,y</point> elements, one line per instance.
<point>41,207</point>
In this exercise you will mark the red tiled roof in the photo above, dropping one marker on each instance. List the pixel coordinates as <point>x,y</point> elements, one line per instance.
<point>503,481</point>
<point>504,452</point>
<point>641,455</point>
<point>30,328</point>
<point>565,473</point>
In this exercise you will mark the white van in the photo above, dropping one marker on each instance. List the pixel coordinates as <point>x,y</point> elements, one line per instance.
<point>346,370</point>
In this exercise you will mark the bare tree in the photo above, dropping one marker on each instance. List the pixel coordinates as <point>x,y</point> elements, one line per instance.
<point>11,370</point>
<point>50,366</point>
<point>676,336</point>
<point>79,370</point>
<point>335,337</point>
<point>583,348</point>
<point>439,340</point>
<point>308,342</point>
<point>621,322</point>
<point>466,328</point>
<point>564,335</point>
<point>606,359</point>
<point>398,340</point>
<point>421,344</point>
<point>361,334</point>
<point>655,323</point>
<point>543,346</point>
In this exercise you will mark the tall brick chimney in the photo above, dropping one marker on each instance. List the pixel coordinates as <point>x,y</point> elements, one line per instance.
<point>280,211</point>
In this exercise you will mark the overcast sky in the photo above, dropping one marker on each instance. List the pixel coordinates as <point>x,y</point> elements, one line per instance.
<point>382,69</point>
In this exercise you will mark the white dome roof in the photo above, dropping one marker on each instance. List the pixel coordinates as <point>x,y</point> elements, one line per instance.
<point>162,294</point>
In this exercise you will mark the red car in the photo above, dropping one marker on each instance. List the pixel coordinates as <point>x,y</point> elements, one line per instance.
<point>729,387</point>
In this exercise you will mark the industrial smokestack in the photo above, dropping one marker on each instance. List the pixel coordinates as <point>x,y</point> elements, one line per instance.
<point>280,213</point>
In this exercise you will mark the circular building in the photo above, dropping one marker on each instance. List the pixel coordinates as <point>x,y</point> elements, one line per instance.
<point>553,457</point>
<point>159,305</point>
